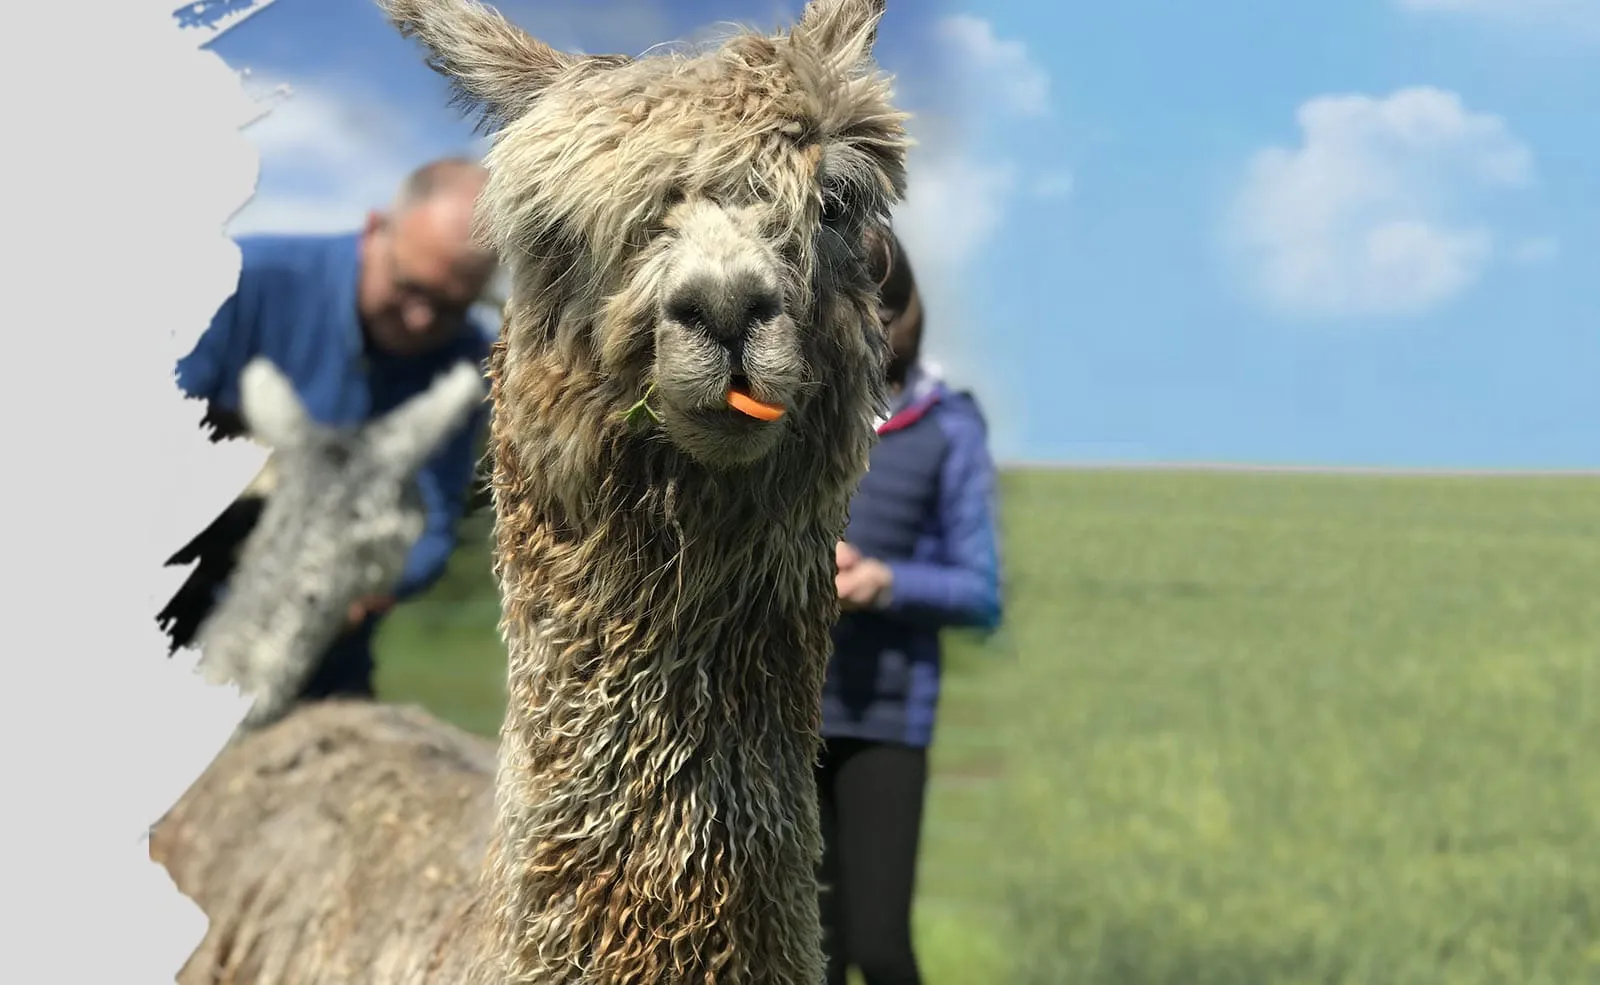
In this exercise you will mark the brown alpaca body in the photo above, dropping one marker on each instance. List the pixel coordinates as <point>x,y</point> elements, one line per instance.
<point>340,845</point>
<point>666,575</point>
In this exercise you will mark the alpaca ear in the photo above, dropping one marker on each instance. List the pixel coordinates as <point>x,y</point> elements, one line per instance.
<point>408,435</point>
<point>271,408</point>
<point>846,29</point>
<point>494,65</point>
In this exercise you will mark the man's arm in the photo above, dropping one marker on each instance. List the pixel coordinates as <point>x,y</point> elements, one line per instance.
<point>444,483</point>
<point>962,587</point>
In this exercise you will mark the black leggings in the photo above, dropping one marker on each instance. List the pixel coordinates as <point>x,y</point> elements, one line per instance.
<point>871,795</point>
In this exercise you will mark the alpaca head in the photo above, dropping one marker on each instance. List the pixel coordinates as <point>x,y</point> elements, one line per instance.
<point>684,227</point>
<point>380,454</point>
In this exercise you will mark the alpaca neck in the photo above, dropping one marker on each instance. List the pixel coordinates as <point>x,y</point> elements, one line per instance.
<point>657,815</point>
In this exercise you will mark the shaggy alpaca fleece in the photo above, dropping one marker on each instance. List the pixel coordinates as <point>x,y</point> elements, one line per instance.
<point>675,226</point>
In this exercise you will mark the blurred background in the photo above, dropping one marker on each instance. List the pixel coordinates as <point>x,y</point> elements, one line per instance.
<point>1318,714</point>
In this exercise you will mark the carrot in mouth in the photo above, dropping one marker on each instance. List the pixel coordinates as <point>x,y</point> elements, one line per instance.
<point>746,404</point>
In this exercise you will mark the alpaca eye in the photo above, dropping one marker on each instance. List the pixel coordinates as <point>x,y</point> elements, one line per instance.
<point>835,206</point>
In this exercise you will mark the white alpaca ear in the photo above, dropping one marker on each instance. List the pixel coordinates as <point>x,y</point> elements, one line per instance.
<point>271,407</point>
<point>845,29</point>
<point>493,64</point>
<point>408,435</point>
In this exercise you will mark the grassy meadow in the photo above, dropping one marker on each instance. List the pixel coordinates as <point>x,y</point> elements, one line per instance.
<point>1239,729</point>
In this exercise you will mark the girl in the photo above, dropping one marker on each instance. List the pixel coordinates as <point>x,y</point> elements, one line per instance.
<point>919,555</point>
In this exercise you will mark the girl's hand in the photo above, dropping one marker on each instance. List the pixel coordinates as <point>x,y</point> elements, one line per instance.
<point>865,584</point>
<point>845,556</point>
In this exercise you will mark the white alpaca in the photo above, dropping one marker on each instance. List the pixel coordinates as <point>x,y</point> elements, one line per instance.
<point>340,515</point>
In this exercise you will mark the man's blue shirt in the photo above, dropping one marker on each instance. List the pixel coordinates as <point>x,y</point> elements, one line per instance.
<point>296,305</point>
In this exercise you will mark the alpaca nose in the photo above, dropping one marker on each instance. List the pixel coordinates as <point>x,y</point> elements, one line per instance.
<point>725,308</point>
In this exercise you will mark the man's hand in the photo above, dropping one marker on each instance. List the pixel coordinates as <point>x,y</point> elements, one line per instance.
<point>862,582</point>
<point>369,605</point>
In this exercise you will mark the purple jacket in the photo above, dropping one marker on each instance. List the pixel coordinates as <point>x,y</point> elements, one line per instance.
<point>926,509</point>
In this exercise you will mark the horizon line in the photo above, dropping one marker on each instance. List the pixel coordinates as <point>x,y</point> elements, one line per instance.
<point>1090,465</point>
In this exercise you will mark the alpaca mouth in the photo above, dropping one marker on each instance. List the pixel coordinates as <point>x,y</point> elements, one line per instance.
<point>740,399</point>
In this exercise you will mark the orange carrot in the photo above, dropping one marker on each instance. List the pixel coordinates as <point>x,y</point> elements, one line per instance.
<point>746,404</point>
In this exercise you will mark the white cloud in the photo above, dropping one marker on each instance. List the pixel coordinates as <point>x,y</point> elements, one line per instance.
<point>957,197</point>
<point>327,156</point>
<point>963,186</point>
<point>1377,211</point>
<point>1003,69</point>
<point>954,204</point>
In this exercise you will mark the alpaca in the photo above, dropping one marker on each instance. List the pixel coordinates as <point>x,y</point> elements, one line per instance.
<point>686,235</point>
<point>329,519</point>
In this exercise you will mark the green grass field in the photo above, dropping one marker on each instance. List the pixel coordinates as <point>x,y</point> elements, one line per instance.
<point>1240,729</point>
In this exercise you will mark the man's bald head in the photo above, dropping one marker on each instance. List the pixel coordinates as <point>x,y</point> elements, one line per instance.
<point>451,176</point>
<point>439,199</point>
<point>421,266</point>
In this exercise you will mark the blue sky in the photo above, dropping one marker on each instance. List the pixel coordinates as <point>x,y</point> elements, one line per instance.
<point>1342,232</point>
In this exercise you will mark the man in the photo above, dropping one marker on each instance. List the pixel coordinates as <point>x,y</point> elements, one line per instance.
<point>360,322</point>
